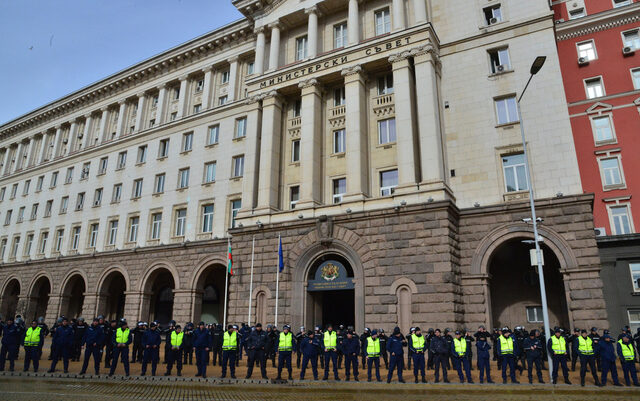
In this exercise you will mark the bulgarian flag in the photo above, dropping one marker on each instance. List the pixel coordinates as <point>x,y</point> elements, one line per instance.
<point>229,260</point>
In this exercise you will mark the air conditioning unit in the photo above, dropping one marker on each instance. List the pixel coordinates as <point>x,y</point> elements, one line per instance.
<point>600,231</point>
<point>583,60</point>
<point>493,20</point>
<point>500,68</point>
<point>627,50</point>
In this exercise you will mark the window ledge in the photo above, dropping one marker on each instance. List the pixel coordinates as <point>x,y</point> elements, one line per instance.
<point>609,142</point>
<point>185,152</point>
<point>239,138</point>
<point>238,178</point>
<point>387,145</point>
<point>516,195</point>
<point>294,164</point>
<point>606,188</point>
<point>340,155</point>
<point>161,158</point>
<point>208,184</point>
<point>141,163</point>
<point>119,168</point>
<point>482,27</point>
<point>182,189</point>
<point>115,202</point>
<point>508,125</point>
<point>497,74</point>
<point>109,247</point>
<point>135,199</point>
<point>177,239</point>
<point>157,194</point>
<point>101,174</point>
<point>203,236</point>
<point>152,242</point>
<point>211,145</point>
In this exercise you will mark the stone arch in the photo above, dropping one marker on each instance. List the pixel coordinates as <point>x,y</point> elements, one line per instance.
<point>108,271</point>
<point>9,296</point>
<point>153,267</point>
<point>403,288</point>
<point>403,282</point>
<point>261,294</point>
<point>207,289</point>
<point>158,285</point>
<point>202,265</point>
<point>40,289</point>
<point>72,293</point>
<point>110,292</point>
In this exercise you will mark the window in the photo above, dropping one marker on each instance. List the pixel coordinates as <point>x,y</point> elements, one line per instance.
<point>235,208</point>
<point>59,239</point>
<point>340,35</point>
<point>93,235</point>
<point>187,142</point>
<point>25,188</point>
<point>54,180</point>
<point>21,214</point>
<point>225,77</point>
<point>515,173</point>
<point>39,184</point>
<point>339,141</point>
<point>48,207</point>
<point>152,123</point>
<point>142,154</point>
<point>250,68</point>
<point>197,108</point>
<point>34,211</point>
<point>387,131</point>
<point>173,116</point>
<point>241,127</point>
<point>631,39</point>
<point>297,108</point>
<point>222,100</point>
<point>158,185</point>
<point>122,160</point>
<point>14,191</point>
<point>183,178</point>
<point>499,60</point>
<point>64,204</point>
<point>493,14</point>
<point>388,182</point>
<point>635,77</point>
<point>602,129</point>
<point>80,201</point>
<point>610,169</point>
<point>137,188</point>
<point>214,132</point>
<point>338,97</point>
<point>134,222</point>
<point>635,276</point>
<point>294,196</point>
<point>163,149</point>
<point>117,193</point>
<point>181,218</point>
<point>97,197</point>
<point>3,247</point>
<point>75,238</point>
<point>534,314</point>
<point>385,85</point>
<point>69,177</point>
<point>295,151</point>
<point>28,245</point>
<point>587,50</point>
<point>14,248</point>
<point>155,100</point>
<point>200,85</point>
<point>43,241</point>
<point>620,219</point>
<point>507,110</point>
<point>238,166</point>
<point>84,173</point>
<point>176,93</point>
<point>634,319</point>
<point>383,21</point>
<point>621,3</point>
<point>594,87</point>
<point>209,172</point>
<point>339,189</point>
<point>156,224</point>
<point>102,166</point>
<point>7,217</point>
<point>2,192</point>
<point>207,218</point>
<point>301,48</point>
<point>577,13</point>
<point>113,232</point>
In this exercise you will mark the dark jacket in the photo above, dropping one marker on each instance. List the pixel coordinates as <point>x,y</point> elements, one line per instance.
<point>310,346</point>
<point>350,346</point>
<point>606,350</point>
<point>439,345</point>
<point>202,338</point>
<point>93,335</point>
<point>483,348</point>
<point>10,335</point>
<point>152,337</point>
<point>515,346</point>
<point>257,340</point>
<point>394,345</point>
<point>63,336</point>
<point>537,348</point>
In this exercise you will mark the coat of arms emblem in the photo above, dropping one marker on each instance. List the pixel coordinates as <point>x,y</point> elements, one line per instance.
<point>330,272</point>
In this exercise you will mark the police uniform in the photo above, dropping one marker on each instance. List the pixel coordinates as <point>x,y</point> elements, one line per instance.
<point>440,350</point>
<point>330,347</point>
<point>187,344</point>
<point>33,340</point>
<point>176,344</point>
<point>299,338</point>
<point>383,347</point>
<point>10,344</point>
<point>110,331</point>
<point>372,353</point>
<point>507,349</point>
<point>229,351</point>
<point>394,346</point>
<point>628,360</point>
<point>583,347</point>
<point>137,351</point>
<point>606,350</point>
<point>256,344</point>
<point>121,340</point>
<point>417,346</point>
<point>484,365</point>
<point>533,352</point>
<point>286,344</point>
<point>350,347</point>
<point>557,348</point>
<point>202,342</point>
<point>151,341</point>
<point>63,343</point>
<point>92,341</point>
<point>460,351</point>
<point>310,348</point>
<point>216,344</point>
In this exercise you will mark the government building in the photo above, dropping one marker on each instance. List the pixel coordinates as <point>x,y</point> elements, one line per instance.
<point>379,139</point>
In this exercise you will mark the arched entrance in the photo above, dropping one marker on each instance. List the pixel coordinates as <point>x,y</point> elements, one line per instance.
<point>515,289</point>
<point>330,292</point>
<point>209,301</point>
<point>10,297</point>
<point>39,298</point>
<point>73,297</point>
<point>111,296</point>
<point>159,289</point>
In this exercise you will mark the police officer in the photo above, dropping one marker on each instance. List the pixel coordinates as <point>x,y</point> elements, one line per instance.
<point>121,340</point>
<point>319,335</point>
<point>286,345</point>
<point>495,337</point>
<point>230,342</point>
<point>44,331</point>
<point>372,353</point>
<point>92,341</point>
<point>595,337</point>
<point>507,349</point>
<point>187,344</point>
<point>310,349</point>
<point>341,333</point>
<point>557,348</point>
<point>33,341</point>
<point>176,341</point>
<point>394,346</point>
<point>409,353</point>
<point>363,344</point>
<point>607,354</point>
<point>440,351</point>
<point>469,339</point>
<point>137,350</point>
<point>627,357</point>
<point>533,352</point>
<point>350,347</point>
<point>63,343</point>
<point>202,341</point>
<point>583,347</point>
<point>256,344</point>
<point>573,340</point>
<point>330,347</point>
<point>299,338</point>
<point>10,344</point>
<point>244,332</point>
<point>216,343</point>
<point>151,342</point>
<point>520,334</point>
<point>429,336</point>
<point>417,346</point>
<point>78,330</point>
<point>460,352</point>
<point>484,365</point>
<point>383,347</point>
<point>109,347</point>
<point>273,336</point>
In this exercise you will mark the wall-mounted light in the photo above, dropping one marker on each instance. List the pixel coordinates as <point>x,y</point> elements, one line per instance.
<point>348,210</point>
<point>477,204</point>
<point>300,216</point>
<point>403,203</point>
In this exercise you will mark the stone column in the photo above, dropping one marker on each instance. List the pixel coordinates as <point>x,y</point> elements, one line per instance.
<point>251,158</point>
<point>402,84</point>
<point>30,151</point>
<point>5,161</point>
<point>87,137</point>
<point>140,115</point>
<point>162,101</point>
<point>46,140</point>
<point>182,99</point>
<point>133,305</point>
<point>258,63</point>
<point>432,165</point>
<point>18,155</point>
<point>270,152</point>
<point>233,78</point>
<point>398,16</point>
<point>121,118</point>
<point>57,142</point>
<point>356,133</point>
<point>312,31</point>
<point>73,137</point>
<point>353,23</point>
<point>420,11</point>
<point>207,90</point>
<point>310,144</point>
<point>53,308</point>
<point>89,305</point>
<point>274,46</point>
<point>104,124</point>
<point>182,307</point>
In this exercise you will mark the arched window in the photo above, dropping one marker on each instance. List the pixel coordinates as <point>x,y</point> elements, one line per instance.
<point>403,293</point>
<point>261,308</point>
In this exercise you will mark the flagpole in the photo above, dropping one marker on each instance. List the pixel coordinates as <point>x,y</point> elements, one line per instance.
<point>253,247</point>
<point>277,281</point>
<point>226,286</point>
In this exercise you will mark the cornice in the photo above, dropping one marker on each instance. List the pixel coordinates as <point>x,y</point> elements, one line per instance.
<point>598,22</point>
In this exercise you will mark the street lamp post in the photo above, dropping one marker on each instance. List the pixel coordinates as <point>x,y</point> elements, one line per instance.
<point>535,67</point>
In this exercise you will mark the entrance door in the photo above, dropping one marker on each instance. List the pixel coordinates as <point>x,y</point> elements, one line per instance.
<point>331,293</point>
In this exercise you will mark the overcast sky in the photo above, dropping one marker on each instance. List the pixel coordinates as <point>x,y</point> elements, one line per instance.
<point>49,48</point>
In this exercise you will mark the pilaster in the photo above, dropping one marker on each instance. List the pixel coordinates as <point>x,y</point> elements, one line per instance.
<point>310,144</point>
<point>356,133</point>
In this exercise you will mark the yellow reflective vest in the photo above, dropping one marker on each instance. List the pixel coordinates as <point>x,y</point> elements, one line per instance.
<point>32,338</point>
<point>627,350</point>
<point>122,336</point>
<point>585,345</point>
<point>286,342</point>
<point>558,345</point>
<point>176,339</point>
<point>417,342</point>
<point>506,345</point>
<point>461,346</point>
<point>230,341</point>
<point>330,340</point>
<point>373,347</point>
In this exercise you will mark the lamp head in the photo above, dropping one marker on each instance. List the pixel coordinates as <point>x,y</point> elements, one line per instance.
<point>537,64</point>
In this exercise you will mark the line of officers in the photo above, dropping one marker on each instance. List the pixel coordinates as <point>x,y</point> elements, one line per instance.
<point>330,347</point>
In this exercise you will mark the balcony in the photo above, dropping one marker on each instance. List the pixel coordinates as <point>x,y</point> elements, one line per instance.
<point>337,116</point>
<point>294,122</point>
<point>384,105</point>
